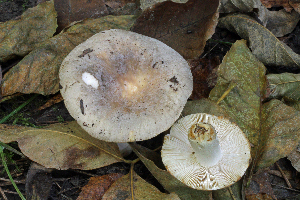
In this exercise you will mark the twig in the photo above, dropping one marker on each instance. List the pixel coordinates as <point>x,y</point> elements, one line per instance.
<point>286,188</point>
<point>231,193</point>
<point>3,194</point>
<point>284,176</point>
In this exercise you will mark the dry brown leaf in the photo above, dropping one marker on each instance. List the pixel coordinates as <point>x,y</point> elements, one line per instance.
<point>38,71</point>
<point>69,11</point>
<point>260,185</point>
<point>62,146</point>
<point>295,4</point>
<point>121,189</point>
<point>54,100</point>
<point>184,27</point>
<point>97,186</point>
<point>38,182</point>
<point>204,76</point>
<point>277,3</point>
<point>19,37</point>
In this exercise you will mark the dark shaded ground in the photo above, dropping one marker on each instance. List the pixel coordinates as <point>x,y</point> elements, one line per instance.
<point>67,184</point>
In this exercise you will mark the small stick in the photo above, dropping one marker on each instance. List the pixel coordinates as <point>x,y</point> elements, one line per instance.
<point>284,176</point>
<point>3,194</point>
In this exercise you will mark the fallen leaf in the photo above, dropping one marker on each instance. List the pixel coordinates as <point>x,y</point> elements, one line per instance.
<point>294,157</point>
<point>97,186</point>
<point>204,76</point>
<point>169,182</point>
<point>62,146</point>
<point>230,6</point>
<point>260,186</point>
<point>229,193</point>
<point>183,27</point>
<point>148,3</point>
<point>277,3</point>
<point>38,182</point>
<point>38,71</point>
<point>281,125</point>
<point>286,85</point>
<point>203,106</point>
<point>264,45</point>
<point>273,127</point>
<point>121,189</point>
<point>69,11</point>
<point>54,100</point>
<point>278,22</point>
<point>20,36</point>
<point>295,4</point>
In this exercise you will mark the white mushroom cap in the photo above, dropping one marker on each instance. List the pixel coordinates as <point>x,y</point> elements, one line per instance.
<point>206,167</point>
<point>121,86</point>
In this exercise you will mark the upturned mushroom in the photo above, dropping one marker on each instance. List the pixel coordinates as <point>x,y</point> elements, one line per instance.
<point>121,86</point>
<point>206,152</point>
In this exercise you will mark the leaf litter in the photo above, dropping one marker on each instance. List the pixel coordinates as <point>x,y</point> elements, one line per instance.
<point>38,71</point>
<point>276,128</point>
<point>20,36</point>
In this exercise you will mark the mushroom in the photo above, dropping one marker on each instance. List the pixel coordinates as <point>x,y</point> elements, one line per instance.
<point>121,86</point>
<point>206,152</point>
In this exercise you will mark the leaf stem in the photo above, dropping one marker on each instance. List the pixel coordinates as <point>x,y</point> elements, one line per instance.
<point>230,87</point>
<point>9,175</point>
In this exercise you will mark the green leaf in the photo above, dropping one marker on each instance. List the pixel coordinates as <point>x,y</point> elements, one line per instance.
<point>243,103</point>
<point>264,45</point>
<point>62,146</point>
<point>286,85</point>
<point>38,71</point>
<point>273,128</point>
<point>20,36</point>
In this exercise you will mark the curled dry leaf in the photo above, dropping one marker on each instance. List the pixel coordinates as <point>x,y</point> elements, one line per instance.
<point>97,186</point>
<point>121,189</point>
<point>19,37</point>
<point>183,27</point>
<point>38,71</point>
<point>264,45</point>
<point>273,127</point>
<point>62,146</point>
<point>169,182</point>
<point>286,85</point>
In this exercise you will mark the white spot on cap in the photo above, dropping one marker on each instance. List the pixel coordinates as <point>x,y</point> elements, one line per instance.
<point>89,79</point>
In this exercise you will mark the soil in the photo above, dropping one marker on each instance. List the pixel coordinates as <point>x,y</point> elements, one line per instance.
<point>66,184</point>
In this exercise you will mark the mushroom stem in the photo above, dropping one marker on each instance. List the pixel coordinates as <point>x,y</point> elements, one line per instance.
<point>205,143</point>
